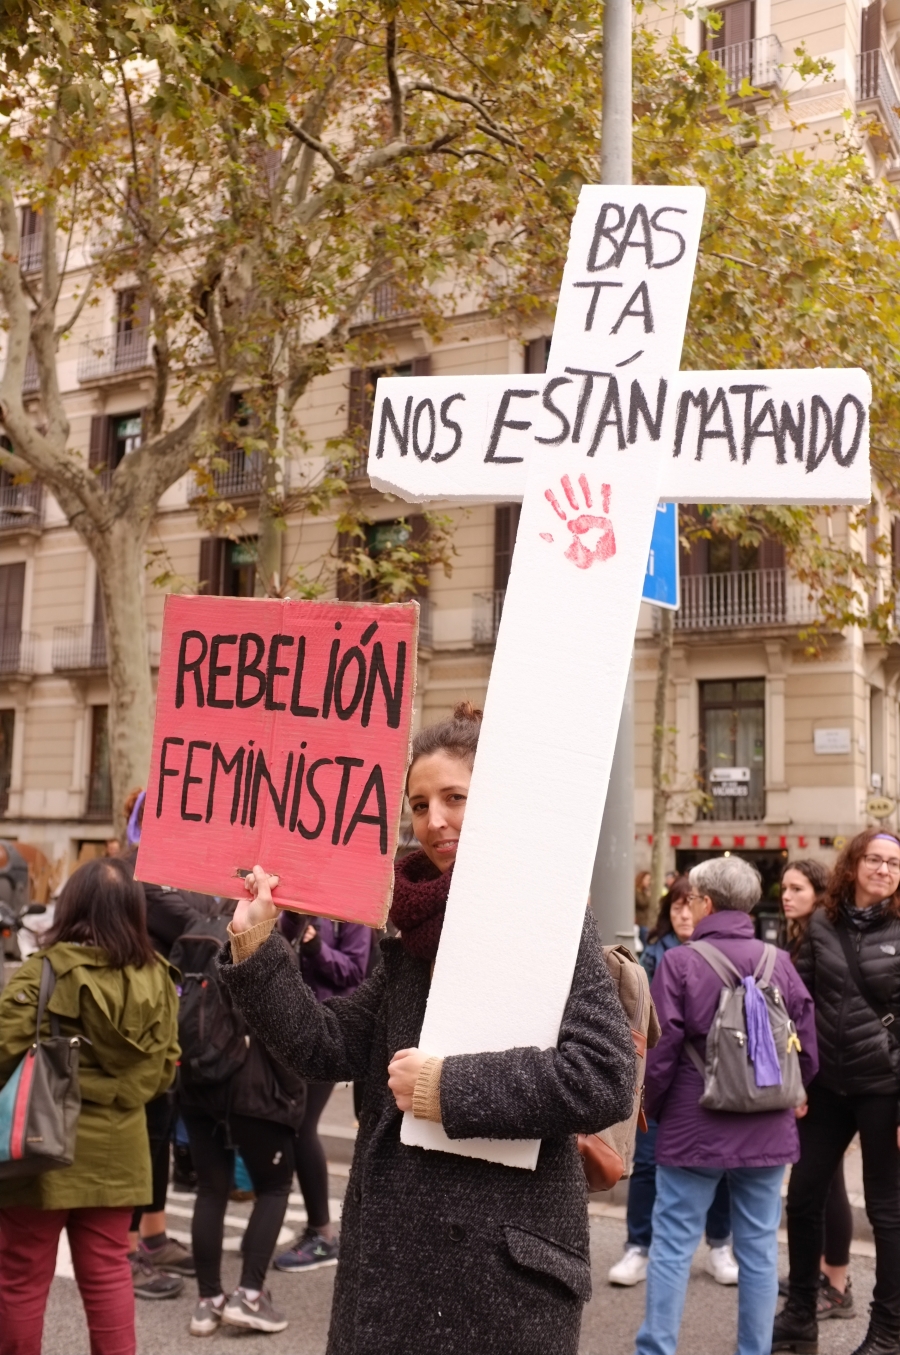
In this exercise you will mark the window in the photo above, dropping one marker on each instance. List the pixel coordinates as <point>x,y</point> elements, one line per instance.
<point>721,554</point>
<point>12,597</point>
<point>506,524</point>
<point>537,354</point>
<point>228,568</point>
<point>32,235</point>
<point>99,795</point>
<point>7,727</point>
<point>380,536</point>
<point>361,391</point>
<point>113,437</point>
<point>870,34</point>
<point>736,27</point>
<point>132,319</point>
<point>732,738</point>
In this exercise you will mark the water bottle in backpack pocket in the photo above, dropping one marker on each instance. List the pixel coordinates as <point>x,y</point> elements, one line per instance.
<point>213,1036</point>
<point>752,1047</point>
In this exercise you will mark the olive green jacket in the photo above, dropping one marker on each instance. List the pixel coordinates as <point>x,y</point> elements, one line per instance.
<point>130,1017</point>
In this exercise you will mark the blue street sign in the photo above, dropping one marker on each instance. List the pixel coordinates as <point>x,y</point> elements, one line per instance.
<point>661,579</point>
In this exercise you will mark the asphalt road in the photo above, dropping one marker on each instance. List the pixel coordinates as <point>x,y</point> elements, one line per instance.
<point>610,1322</point>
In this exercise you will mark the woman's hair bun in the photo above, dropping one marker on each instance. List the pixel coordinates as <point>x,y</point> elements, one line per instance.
<point>464,711</point>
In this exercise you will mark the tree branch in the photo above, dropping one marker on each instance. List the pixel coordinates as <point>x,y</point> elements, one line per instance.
<point>315,145</point>
<point>393,80</point>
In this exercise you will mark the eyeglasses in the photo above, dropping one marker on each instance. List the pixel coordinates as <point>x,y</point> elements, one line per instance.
<point>876,862</point>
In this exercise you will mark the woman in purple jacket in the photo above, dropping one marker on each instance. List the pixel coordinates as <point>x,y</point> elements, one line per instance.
<point>334,960</point>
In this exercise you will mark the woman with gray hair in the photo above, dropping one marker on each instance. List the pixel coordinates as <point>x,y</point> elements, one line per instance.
<point>696,1147</point>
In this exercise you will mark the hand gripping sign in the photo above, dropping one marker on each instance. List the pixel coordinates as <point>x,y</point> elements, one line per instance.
<point>589,447</point>
<point>282,736</point>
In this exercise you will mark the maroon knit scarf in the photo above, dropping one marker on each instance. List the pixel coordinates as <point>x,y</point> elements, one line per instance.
<point>420,897</point>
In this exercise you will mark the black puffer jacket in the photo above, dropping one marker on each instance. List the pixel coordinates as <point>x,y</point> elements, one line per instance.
<point>856,1054</point>
<point>440,1254</point>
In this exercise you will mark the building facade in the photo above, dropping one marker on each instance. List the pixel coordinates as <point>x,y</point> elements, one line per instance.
<point>799,743</point>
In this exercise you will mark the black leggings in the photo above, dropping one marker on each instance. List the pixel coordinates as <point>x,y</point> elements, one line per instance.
<point>309,1155</point>
<point>838,1222</point>
<point>161,1114</point>
<point>825,1134</point>
<point>267,1150</point>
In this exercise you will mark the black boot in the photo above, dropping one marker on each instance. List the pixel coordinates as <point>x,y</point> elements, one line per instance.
<point>881,1339</point>
<point>796,1328</point>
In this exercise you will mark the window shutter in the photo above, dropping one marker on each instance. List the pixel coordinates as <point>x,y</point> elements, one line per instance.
<point>506,524</point>
<point>422,366</point>
<point>895,545</point>
<point>738,25</point>
<point>141,311</point>
<point>696,559</point>
<point>537,354</point>
<point>98,454</point>
<point>349,586</point>
<point>356,400</point>
<point>212,557</point>
<point>771,554</point>
<point>12,596</point>
<point>871,27</point>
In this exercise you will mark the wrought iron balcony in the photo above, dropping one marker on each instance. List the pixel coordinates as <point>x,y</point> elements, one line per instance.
<point>20,506</point>
<point>127,350</point>
<point>878,83</point>
<point>78,649</point>
<point>487,608</point>
<point>17,650</point>
<point>382,303</point>
<point>749,597</point>
<point>244,477</point>
<point>82,649</point>
<point>758,60</point>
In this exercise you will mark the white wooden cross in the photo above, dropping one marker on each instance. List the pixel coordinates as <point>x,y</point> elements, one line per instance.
<point>590,448</point>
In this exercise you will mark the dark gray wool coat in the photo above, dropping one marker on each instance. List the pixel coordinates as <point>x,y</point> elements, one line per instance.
<point>447,1255</point>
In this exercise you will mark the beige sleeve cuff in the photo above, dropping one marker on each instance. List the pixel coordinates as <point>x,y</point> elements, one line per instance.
<point>427,1092</point>
<point>245,944</point>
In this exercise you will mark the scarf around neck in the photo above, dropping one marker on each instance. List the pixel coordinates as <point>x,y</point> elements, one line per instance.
<point>865,919</point>
<point>420,898</point>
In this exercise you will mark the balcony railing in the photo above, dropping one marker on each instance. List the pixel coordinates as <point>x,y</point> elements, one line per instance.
<point>244,477</point>
<point>20,506</point>
<point>877,83</point>
<point>487,608</point>
<point>82,649</point>
<point>17,649</point>
<point>30,252</point>
<point>78,649</point>
<point>750,597</point>
<point>127,350</point>
<point>757,60</point>
<point>382,303</point>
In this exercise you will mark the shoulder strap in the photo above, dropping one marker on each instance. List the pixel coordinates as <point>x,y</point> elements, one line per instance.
<point>763,971</point>
<point>881,1010</point>
<point>694,1056</point>
<point>718,962</point>
<point>48,983</point>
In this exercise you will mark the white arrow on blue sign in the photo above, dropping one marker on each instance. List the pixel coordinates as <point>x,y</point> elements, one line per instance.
<point>661,579</point>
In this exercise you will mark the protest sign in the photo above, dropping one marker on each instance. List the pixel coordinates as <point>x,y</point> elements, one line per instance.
<point>589,447</point>
<point>281,737</point>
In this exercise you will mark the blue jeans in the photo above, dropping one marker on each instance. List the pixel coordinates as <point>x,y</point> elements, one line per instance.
<point>683,1198</point>
<point>642,1195</point>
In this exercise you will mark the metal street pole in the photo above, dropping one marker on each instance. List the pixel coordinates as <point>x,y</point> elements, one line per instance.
<point>612,883</point>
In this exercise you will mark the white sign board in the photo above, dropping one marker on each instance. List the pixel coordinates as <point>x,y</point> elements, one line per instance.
<point>590,448</point>
<point>831,740</point>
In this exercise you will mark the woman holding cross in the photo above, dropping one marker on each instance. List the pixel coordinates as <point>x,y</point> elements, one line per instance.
<point>441,1252</point>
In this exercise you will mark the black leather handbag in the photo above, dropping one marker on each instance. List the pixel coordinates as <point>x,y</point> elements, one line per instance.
<point>41,1102</point>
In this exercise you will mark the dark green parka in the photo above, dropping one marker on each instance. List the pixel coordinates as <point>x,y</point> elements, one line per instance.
<point>130,1017</point>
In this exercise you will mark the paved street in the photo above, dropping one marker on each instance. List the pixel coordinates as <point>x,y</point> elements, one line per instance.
<point>611,1319</point>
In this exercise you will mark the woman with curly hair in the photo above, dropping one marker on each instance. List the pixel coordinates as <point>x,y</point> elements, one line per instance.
<point>849,960</point>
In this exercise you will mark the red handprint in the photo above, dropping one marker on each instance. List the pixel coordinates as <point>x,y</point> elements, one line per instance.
<point>580,554</point>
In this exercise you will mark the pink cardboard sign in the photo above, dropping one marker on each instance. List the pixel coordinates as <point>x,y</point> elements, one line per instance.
<point>281,737</point>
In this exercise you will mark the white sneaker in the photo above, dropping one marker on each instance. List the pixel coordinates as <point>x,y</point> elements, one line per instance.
<point>631,1269</point>
<point>721,1265</point>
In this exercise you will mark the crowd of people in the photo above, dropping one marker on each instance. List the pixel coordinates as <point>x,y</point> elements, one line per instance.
<point>767,1058</point>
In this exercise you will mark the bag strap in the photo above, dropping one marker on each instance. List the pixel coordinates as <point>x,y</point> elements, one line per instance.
<point>764,970</point>
<point>48,983</point>
<point>887,1017</point>
<point>724,969</point>
<point>695,1058</point>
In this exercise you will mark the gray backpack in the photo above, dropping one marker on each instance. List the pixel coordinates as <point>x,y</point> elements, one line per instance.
<point>729,1078</point>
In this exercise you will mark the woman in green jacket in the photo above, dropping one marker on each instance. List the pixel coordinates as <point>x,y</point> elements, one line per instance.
<point>118,996</point>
